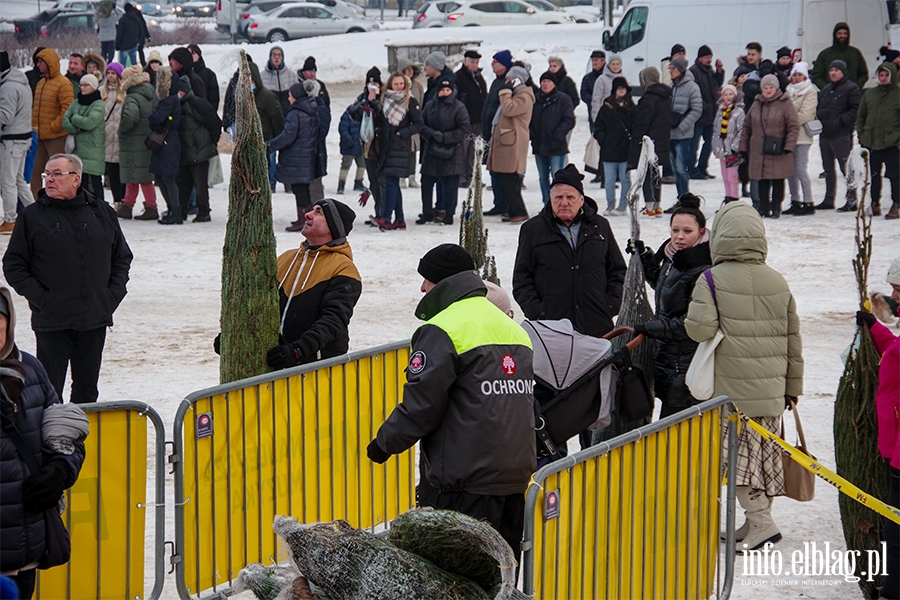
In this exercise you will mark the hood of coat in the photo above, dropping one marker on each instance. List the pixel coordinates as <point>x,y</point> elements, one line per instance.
<point>52,59</point>
<point>185,59</point>
<point>693,257</point>
<point>452,289</point>
<point>255,76</point>
<point>95,58</point>
<point>306,104</point>
<point>163,83</point>
<point>9,347</point>
<point>837,28</point>
<point>404,63</point>
<point>14,76</point>
<point>269,65</point>
<point>892,68</point>
<point>738,235</point>
<point>658,89</point>
<point>135,80</point>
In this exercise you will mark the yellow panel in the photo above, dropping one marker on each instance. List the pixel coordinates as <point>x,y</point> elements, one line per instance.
<point>297,442</point>
<point>361,429</point>
<point>638,514</point>
<point>651,484</point>
<point>588,549</point>
<point>268,476</point>
<point>252,483</point>
<point>665,514</point>
<point>551,543</point>
<point>324,483</point>
<point>602,537</point>
<point>625,542</point>
<point>575,541</point>
<point>339,441</point>
<point>310,439</point>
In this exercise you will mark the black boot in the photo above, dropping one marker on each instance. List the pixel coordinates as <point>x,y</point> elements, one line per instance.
<point>795,206</point>
<point>358,186</point>
<point>826,204</point>
<point>849,206</point>
<point>341,184</point>
<point>745,191</point>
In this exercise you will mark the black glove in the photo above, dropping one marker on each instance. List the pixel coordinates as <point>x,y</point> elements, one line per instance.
<point>635,247</point>
<point>788,401</point>
<point>217,343</point>
<point>376,454</point>
<point>745,156</point>
<point>865,318</point>
<point>438,136</point>
<point>44,489</point>
<point>284,356</point>
<point>507,85</point>
<point>640,328</point>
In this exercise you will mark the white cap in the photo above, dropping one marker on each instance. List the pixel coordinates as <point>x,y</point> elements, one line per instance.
<point>801,67</point>
<point>91,81</point>
<point>499,298</point>
<point>893,275</point>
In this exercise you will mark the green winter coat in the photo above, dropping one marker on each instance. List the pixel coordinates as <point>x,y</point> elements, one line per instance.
<point>760,360</point>
<point>134,156</point>
<point>85,122</point>
<point>857,71</point>
<point>878,119</point>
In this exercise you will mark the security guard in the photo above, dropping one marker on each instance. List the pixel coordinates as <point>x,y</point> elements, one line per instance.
<point>468,398</point>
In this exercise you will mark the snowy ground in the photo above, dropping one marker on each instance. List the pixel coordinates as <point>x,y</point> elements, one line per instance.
<point>161,346</point>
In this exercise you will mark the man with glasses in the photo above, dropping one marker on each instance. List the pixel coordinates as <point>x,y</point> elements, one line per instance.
<point>69,258</point>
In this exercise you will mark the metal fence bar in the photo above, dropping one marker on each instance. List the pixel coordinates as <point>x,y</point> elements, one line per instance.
<point>646,507</point>
<point>106,509</point>
<point>291,442</point>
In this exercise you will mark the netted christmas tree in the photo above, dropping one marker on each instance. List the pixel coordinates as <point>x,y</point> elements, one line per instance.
<point>472,234</point>
<point>855,422</point>
<point>635,304</point>
<point>250,319</point>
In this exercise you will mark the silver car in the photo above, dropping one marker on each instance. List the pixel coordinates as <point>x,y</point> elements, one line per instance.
<point>302,20</point>
<point>434,13</point>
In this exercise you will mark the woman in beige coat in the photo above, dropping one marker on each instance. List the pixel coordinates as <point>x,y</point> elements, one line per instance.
<point>113,94</point>
<point>805,97</point>
<point>509,141</point>
<point>759,363</point>
<point>770,137</point>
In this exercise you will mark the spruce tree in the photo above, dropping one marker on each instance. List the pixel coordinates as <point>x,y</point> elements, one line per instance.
<point>250,316</point>
<point>472,234</point>
<point>855,422</point>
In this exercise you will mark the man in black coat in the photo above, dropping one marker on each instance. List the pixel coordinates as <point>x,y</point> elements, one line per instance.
<point>436,70</point>
<point>598,61</point>
<point>129,35</point>
<point>472,93</point>
<point>310,72</point>
<point>652,119</point>
<point>710,81</point>
<point>837,109</point>
<point>74,279</point>
<point>552,118</point>
<point>210,81</point>
<point>182,63</point>
<point>568,264</point>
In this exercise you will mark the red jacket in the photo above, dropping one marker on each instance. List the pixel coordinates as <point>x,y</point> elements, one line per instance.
<point>887,400</point>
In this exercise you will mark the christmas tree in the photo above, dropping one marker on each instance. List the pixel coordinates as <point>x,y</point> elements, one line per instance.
<point>472,234</point>
<point>250,318</point>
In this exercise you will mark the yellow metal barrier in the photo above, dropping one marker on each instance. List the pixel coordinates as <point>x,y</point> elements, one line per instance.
<point>106,511</point>
<point>288,443</point>
<point>636,517</point>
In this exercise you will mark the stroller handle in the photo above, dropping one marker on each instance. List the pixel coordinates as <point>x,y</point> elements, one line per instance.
<point>619,331</point>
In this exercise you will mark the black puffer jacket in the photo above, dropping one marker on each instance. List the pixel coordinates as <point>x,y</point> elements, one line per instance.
<point>449,119</point>
<point>267,105</point>
<point>200,130</point>
<point>22,530</point>
<point>395,143</point>
<point>298,143</point>
<point>70,261</point>
<point>166,115</point>
<point>129,30</point>
<point>653,119</point>
<point>552,118</point>
<point>673,279</point>
<point>612,129</point>
<point>472,92</point>
<point>491,104</point>
<point>567,86</point>
<point>838,105</point>
<point>431,87</point>
<point>553,281</point>
<point>709,81</point>
<point>210,82</point>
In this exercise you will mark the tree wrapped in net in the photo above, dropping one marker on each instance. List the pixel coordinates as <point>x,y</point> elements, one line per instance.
<point>855,422</point>
<point>344,562</point>
<point>472,234</point>
<point>250,319</point>
<point>636,306</point>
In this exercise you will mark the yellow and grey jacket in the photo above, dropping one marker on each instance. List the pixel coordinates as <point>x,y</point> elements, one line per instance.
<point>468,395</point>
<point>318,287</point>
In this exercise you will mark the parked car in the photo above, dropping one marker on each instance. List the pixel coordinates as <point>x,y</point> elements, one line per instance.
<point>196,8</point>
<point>152,9</point>
<point>80,6</point>
<point>434,13</point>
<point>581,15</point>
<point>301,20</point>
<point>257,7</point>
<point>55,23</point>
<point>473,13</point>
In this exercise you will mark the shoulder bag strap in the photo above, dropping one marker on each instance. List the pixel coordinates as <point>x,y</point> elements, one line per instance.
<point>712,287</point>
<point>19,442</point>
<point>799,426</point>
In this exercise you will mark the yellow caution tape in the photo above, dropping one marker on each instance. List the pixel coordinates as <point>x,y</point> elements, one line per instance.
<point>827,475</point>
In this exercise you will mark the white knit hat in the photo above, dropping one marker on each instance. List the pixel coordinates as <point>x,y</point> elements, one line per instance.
<point>893,275</point>
<point>91,81</point>
<point>801,67</point>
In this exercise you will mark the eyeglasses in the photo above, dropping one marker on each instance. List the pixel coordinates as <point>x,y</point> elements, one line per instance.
<point>46,175</point>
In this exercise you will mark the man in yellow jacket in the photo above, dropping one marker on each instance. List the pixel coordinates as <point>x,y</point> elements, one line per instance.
<point>51,101</point>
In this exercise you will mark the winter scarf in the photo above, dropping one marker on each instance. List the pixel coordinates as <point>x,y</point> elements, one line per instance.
<point>670,249</point>
<point>88,99</point>
<point>796,88</point>
<point>63,425</point>
<point>726,116</point>
<point>394,106</point>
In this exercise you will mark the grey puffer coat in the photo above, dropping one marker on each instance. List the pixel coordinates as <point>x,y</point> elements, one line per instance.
<point>448,119</point>
<point>298,143</point>
<point>731,143</point>
<point>688,101</point>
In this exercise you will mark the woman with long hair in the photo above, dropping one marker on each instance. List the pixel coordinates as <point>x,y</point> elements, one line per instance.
<point>112,92</point>
<point>612,129</point>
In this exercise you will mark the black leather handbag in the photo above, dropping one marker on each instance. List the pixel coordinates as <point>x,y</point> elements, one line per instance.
<point>773,146</point>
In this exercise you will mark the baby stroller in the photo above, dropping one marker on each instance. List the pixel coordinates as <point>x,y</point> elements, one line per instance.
<point>580,382</point>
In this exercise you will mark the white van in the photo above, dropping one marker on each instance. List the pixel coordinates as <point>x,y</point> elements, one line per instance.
<point>648,30</point>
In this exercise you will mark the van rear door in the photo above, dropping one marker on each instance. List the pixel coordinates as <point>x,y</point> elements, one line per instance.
<point>868,28</point>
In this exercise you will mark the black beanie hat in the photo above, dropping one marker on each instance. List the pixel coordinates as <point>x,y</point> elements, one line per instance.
<point>297,91</point>
<point>548,75</point>
<point>889,54</point>
<point>309,64</point>
<point>443,261</point>
<point>704,51</point>
<point>569,175</point>
<point>4,61</point>
<point>373,75</point>
<point>783,51</point>
<point>676,49</point>
<point>184,84</point>
<point>338,215</point>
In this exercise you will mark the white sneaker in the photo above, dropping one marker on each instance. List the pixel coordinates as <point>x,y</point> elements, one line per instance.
<point>621,212</point>
<point>608,212</point>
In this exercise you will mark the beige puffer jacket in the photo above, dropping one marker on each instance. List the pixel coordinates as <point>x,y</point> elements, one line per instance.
<point>805,99</point>
<point>112,112</point>
<point>760,360</point>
